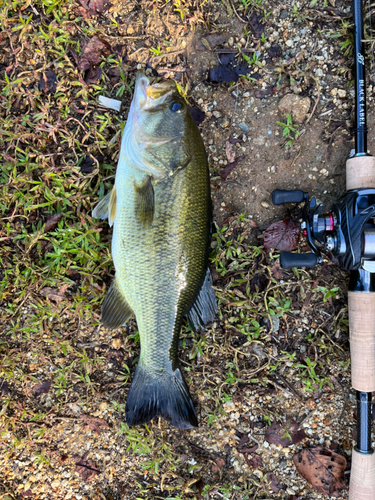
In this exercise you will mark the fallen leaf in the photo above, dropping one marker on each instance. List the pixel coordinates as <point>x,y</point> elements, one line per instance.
<point>116,357</point>
<point>92,53</point>
<point>42,388</point>
<point>87,469</point>
<point>209,42</point>
<point>52,294</point>
<point>285,435</point>
<point>260,94</point>
<point>258,283</point>
<point>230,151</point>
<point>48,82</point>
<point>4,389</point>
<point>277,271</point>
<point>255,461</point>
<point>95,423</point>
<point>322,468</point>
<point>256,25</point>
<point>89,163</point>
<point>228,168</point>
<point>223,74</point>
<point>273,482</point>
<point>94,6</point>
<point>52,222</point>
<point>220,462</point>
<point>274,50</point>
<point>281,235</point>
<point>74,275</point>
<point>197,115</point>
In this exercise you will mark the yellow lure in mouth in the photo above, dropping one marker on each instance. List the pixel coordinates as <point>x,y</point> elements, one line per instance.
<point>159,89</point>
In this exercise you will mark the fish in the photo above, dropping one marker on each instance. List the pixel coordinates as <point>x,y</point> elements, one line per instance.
<point>160,210</point>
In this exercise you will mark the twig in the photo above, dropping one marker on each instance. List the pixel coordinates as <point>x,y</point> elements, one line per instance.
<point>235,11</point>
<point>174,53</point>
<point>294,391</point>
<point>315,105</point>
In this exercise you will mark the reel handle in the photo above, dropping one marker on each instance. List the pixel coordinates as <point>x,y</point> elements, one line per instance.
<point>288,260</point>
<point>281,196</point>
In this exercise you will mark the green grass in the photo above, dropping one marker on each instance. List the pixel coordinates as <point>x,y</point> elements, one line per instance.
<point>44,141</point>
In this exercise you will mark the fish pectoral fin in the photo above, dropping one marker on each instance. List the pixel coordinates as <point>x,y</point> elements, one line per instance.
<point>204,309</point>
<point>144,202</point>
<point>106,208</point>
<point>115,310</point>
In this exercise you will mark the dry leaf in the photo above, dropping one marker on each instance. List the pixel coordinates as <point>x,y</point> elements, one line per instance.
<point>48,82</point>
<point>95,423</point>
<point>228,168</point>
<point>273,483</point>
<point>52,294</point>
<point>92,53</point>
<point>322,468</point>
<point>281,235</point>
<point>87,469</point>
<point>285,435</point>
<point>42,388</point>
<point>277,271</point>
<point>4,389</point>
<point>52,222</point>
<point>256,25</point>
<point>230,150</point>
<point>255,461</point>
<point>94,6</point>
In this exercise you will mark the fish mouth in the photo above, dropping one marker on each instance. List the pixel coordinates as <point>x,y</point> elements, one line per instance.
<point>151,95</point>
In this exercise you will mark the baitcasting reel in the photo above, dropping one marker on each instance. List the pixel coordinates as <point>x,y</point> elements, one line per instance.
<point>347,231</point>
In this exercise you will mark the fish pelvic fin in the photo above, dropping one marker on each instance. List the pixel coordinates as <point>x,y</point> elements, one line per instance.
<point>144,202</point>
<point>164,395</point>
<point>204,309</point>
<point>106,208</point>
<point>115,310</point>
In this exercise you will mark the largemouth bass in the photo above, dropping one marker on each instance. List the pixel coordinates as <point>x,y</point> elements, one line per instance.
<point>160,209</point>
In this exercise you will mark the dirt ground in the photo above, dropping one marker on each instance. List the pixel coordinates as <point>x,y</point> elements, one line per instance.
<point>271,376</point>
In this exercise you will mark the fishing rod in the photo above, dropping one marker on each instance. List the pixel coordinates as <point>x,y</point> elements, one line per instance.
<point>348,232</point>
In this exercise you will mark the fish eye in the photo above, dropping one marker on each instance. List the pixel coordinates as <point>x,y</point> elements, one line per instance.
<point>176,106</point>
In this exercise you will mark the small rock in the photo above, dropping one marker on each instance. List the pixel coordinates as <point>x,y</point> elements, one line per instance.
<point>289,43</point>
<point>244,127</point>
<point>283,14</point>
<point>265,204</point>
<point>319,72</point>
<point>230,41</point>
<point>55,483</point>
<point>217,114</point>
<point>224,122</point>
<point>294,105</point>
<point>228,406</point>
<point>341,93</point>
<point>116,343</point>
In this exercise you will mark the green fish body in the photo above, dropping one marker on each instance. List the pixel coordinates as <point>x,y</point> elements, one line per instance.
<point>160,209</point>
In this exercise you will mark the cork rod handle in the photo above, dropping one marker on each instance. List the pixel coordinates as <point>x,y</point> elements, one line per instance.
<point>362,477</point>
<point>362,340</point>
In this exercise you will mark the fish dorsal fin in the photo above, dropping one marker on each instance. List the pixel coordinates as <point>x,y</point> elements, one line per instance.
<point>144,202</point>
<point>204,309</point>
<point>115,310</point>
<point>106,208</point>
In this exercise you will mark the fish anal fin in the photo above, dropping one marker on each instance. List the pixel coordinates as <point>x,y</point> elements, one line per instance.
<point>144,202</point>
<point>115,310</point>
<point>204,309</point>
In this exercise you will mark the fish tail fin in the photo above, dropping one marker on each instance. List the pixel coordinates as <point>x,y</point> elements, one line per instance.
<point>160,395</point>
